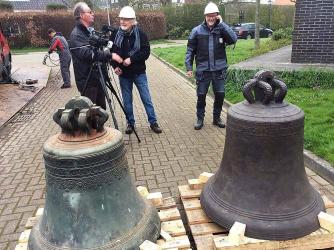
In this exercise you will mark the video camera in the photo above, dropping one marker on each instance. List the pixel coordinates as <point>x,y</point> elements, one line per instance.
<point>100,39</point>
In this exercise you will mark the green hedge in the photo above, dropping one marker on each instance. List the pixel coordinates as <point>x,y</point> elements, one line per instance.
<point>33,26</point>
<point>308,78</point>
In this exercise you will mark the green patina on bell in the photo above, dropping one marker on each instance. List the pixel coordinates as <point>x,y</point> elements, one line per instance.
<point>91,201</point>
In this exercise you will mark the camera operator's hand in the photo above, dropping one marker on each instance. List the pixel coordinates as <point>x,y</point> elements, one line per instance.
<point>118,71</point>
<point>116,58</point>
<point>127,62</point>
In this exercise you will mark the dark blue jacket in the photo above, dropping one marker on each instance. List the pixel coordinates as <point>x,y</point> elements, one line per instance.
<point>207,47</point>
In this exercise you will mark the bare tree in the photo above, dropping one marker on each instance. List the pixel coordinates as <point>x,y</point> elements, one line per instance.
<point>257,25</point>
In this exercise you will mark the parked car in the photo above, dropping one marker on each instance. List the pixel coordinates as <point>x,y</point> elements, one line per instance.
<point>247,30</point>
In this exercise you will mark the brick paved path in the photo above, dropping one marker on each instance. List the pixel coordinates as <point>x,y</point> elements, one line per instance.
<point>160,162</point>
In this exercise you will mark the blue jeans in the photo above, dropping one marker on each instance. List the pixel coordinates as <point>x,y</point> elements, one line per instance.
<point>141,83</point>
<point>203,80</point>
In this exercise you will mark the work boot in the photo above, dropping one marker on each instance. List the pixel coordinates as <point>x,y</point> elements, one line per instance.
<point>155,127</point>
<point>218,122</point>
<point>128,129</point>
<point>65,86</point>
<point>199,124</point>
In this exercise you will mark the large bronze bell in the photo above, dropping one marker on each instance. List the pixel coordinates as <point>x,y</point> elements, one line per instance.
<point>91,201</point>
<point>262,181</point>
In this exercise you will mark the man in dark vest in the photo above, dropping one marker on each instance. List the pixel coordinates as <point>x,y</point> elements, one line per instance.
<point>206,44</point>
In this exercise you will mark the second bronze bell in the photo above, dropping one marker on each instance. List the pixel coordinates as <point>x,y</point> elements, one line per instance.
<point>262,181</point>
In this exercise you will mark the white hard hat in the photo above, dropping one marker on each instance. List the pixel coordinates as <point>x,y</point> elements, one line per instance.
<point>127,12</point>
<point>211,8</point>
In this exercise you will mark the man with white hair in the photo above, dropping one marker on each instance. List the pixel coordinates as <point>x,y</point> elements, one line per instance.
<point>207,44</point>
<point>84,56</point>
<point>132,45</point>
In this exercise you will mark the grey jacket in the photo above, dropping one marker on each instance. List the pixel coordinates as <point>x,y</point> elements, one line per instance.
<point>207,47</point>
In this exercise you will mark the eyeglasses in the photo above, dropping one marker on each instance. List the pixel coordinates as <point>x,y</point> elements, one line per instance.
<point>89,12</point>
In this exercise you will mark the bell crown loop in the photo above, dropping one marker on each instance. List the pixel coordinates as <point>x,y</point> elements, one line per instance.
<point>80,116</point>
<point>265,85</point>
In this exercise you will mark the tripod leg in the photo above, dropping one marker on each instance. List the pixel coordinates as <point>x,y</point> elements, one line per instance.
<point>86,83</point>
<point>103,85</point>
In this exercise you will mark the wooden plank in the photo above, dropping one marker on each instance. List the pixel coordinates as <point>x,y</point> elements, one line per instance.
<point>174,227</point>
<point>168,202</point>
<point>204,242</point>
<point>169,214</point>
<point>186,192</point>
<point>328,202</point>
<point>197,217</point>
<point>318,240</point>
<point>191,204</point>
<point>179,242</point>
<point>206,228</point>
<point>30,222</point>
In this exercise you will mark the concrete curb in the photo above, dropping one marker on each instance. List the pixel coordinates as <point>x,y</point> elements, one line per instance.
<point>319,165</point>
<point>315,163</point>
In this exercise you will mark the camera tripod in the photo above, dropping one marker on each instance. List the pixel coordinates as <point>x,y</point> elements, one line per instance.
<point>105,85</point>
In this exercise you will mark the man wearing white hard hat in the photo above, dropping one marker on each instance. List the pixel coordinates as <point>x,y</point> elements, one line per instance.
<point>206,44</point>
<point>132,45</point>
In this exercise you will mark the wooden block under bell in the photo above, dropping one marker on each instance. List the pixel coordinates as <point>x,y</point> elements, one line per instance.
<point>204,177</point>
<point>237,233</point>
<point>143,191</point>
<point>24,236</point>
<point>40,212</point>
<point>30,223</point>
<point>169,214</point>
<point>21,246</point>
<point>148,245</point>
<point>195,184</point>
<point>155,198</point>
<point>326,221</point>
<point>328,202</point>
<point>166,236</point>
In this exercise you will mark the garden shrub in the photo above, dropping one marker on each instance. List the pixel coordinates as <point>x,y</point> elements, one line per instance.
<point>6,6</point>
<point>285,33</point>
<point>55,7</point>
<point>33,26</point>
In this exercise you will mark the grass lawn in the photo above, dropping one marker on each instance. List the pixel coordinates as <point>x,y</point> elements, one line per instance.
<point>160,41</point>
<point>28,50</point>
<point>242,51</point>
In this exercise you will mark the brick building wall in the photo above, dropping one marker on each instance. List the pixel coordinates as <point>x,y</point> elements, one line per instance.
<point>313,37</point>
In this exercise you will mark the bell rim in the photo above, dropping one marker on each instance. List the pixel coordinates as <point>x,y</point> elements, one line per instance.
<point>271,229</point>
<point>149,217</point>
